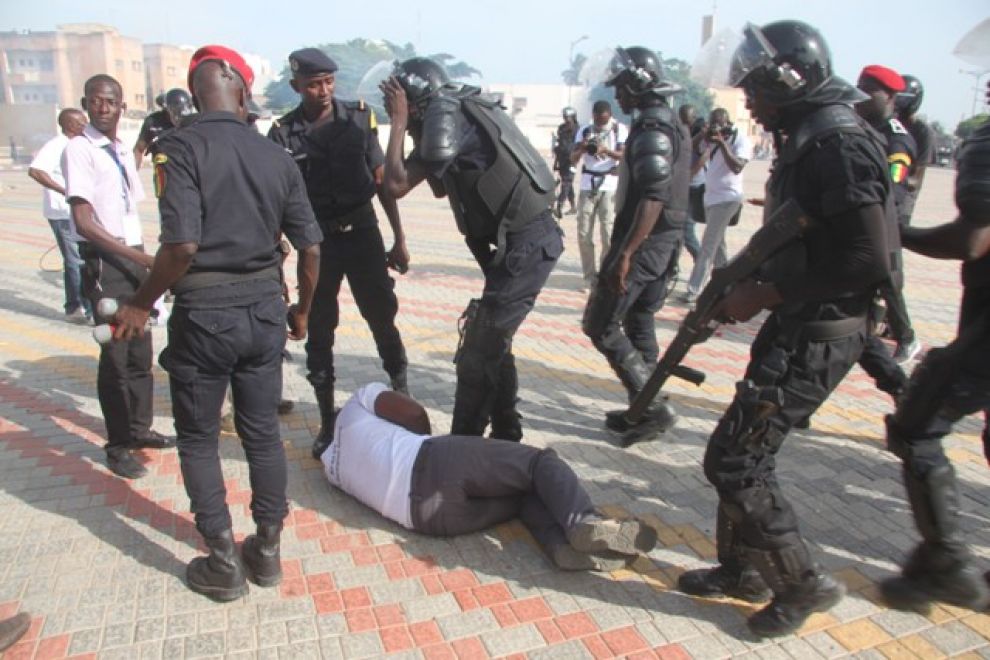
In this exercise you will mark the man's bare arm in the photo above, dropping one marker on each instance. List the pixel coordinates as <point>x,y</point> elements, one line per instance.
<point>404,411</point>
<point>45,180</point>
<point>89,229</point>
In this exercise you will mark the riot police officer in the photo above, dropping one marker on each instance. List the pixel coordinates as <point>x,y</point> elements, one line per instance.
<point>563,142</point>
<point>906,108</point>
<point>152,126</point>
<point>335,144</point>
<point>819,290</point>
<point>179,106</point>
<point>500,190</point>
<point>949,383</point>
<point>648,230</point>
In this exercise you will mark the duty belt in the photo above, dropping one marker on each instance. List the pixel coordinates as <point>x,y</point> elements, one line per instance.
<point>349,221</point>
<point>203,279</point>
<point>834,329</point>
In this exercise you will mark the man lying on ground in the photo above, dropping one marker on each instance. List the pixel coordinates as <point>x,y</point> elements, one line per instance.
<point>384,455</point>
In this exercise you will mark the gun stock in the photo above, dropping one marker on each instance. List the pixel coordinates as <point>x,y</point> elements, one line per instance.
<point>786,224</point>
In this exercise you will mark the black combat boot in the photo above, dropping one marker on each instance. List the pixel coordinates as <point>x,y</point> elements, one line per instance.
<point>633,373</point>
<point>328,415</point>
<point>218,576</point>
<point>799,590</point>
<point>940,568</point>
<point>261,556</point>
<point>506,420</point>
<point>733,577</point>
<point>398,382</point>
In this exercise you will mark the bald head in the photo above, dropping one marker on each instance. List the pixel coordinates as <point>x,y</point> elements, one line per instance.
<point>218,87</point>
<point>72,122</point>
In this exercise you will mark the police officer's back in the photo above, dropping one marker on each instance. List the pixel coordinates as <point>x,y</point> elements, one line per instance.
<point>225,196</point>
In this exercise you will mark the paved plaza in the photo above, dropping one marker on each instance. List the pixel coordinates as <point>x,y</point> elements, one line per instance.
<point>98,561</point>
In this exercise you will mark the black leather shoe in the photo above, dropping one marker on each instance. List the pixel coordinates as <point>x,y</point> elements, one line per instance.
<point>723,582</point>
<point>152,440</point>
<point>122,463</point>
<point>788,611</point>
<point>219,576</point>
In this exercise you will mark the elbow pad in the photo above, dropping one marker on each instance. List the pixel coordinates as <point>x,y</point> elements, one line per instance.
<point>439,141</point>
<point>652,154</point>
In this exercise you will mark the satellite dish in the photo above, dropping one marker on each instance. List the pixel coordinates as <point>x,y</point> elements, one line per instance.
<point>710,67</point>
<point>974,47</point>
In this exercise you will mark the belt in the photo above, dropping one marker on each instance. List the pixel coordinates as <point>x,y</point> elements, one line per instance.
<point>831,330</point>
<point>345,222</point>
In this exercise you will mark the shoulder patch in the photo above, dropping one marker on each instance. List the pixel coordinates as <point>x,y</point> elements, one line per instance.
<point>897,127</point>
<point>159,176</point>
<point>372,120</point>
<point>160,159</point>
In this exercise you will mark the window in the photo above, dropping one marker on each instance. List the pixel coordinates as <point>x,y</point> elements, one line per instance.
<point>135,65</point>
<point>120,64</point>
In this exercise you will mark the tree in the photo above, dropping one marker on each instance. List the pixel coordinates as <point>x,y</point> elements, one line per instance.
<point>966,127</point>
<point>355,59</point>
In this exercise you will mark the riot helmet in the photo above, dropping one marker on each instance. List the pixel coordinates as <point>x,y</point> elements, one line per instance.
<point>421,78</point>
<point>638,71</point>
<point>160,100</point>
<point>787,60</point>
<point>569,113</point>
<point>908,102</point>
<point>178,104</point>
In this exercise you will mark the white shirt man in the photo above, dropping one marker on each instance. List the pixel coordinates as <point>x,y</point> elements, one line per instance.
<point>382,454</point>
<point>725,151</point>
<point>46,169</point>
<point>599,181</point>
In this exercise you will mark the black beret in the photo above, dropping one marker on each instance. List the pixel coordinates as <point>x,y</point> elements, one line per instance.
<point>311,61</point>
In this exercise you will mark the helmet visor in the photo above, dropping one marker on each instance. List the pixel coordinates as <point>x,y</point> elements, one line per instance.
<point>753,54</point>
<point>621,62</point>
<point>417,88</point>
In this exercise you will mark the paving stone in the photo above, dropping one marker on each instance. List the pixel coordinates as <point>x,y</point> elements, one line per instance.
<point>205,644</point>
<point>512,640</point>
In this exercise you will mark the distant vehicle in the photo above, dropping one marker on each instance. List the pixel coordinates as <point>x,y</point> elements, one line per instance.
<point>943,156</point>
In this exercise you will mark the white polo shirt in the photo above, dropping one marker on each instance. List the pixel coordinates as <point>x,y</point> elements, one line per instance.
<point>49,161</point>
<point>615,136</point>
<point>92,174</point>
<point>371,458</point>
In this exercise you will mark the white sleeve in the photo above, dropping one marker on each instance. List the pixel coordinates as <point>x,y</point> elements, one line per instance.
<point>48,157</point>
<point>742,148</point>
<point>78,170</point>
<point>367,395</point>
<point>623,134</point>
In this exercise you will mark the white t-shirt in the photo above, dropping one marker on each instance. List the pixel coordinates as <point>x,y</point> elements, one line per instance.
<point>721,183</point>
<point>371,458</point>
<point>615,136</point>
<point>92,174</point>
<point>49,161</point>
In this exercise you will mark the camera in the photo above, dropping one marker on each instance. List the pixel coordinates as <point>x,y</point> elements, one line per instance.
<point>724,131</point>
<point>592,146</point>
<point>593,140</point>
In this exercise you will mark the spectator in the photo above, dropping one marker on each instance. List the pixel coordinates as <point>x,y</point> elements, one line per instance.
<point>725,152</point>
<point>688,115</point>
<point>46,169</point>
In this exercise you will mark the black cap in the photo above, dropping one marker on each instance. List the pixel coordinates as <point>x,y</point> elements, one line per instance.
<point>310,62</point>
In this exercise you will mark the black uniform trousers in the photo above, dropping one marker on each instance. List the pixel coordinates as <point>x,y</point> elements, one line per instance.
<point>877,361</point>
<point>740,460</point>
<point>463,484</point>
<point>485,363</point>
<point>359,255</point>
<point>124,383</point>
<point>209,349</point>
<point>566,186</point>
<point>619,324</point>
<point>950,383</point>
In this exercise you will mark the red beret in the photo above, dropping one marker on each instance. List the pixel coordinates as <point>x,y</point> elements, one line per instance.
<point>885,76</point>
<point>223,54</point>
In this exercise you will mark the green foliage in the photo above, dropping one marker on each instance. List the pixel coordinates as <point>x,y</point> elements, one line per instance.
<point>967,126</point>
<point>355,58</point>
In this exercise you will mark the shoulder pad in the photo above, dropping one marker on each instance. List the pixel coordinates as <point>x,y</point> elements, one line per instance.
<point>439,141</point>
<point>897,127</point>
<point>654,116</point>
<point>652,153</point>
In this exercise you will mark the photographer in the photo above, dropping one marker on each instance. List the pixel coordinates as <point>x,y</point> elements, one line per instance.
<point>598,146</point>
<point>724,153</point>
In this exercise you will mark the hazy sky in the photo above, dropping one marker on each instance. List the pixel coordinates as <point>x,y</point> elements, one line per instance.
<point>528,41</point>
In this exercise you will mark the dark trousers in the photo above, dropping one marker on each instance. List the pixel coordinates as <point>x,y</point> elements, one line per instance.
<point>358,255</point>
<point>740,460</point>
<point>696,208</point>
<point>897,313</point>
<point>879,364</point>
<point>124,384</point>
<point>566,188</point>
<point>209,349</point>
<point>485,362</point>
<point>620,324</point>
<point>71,265</point>
<point>463,484</point>
<point>950,383</point>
